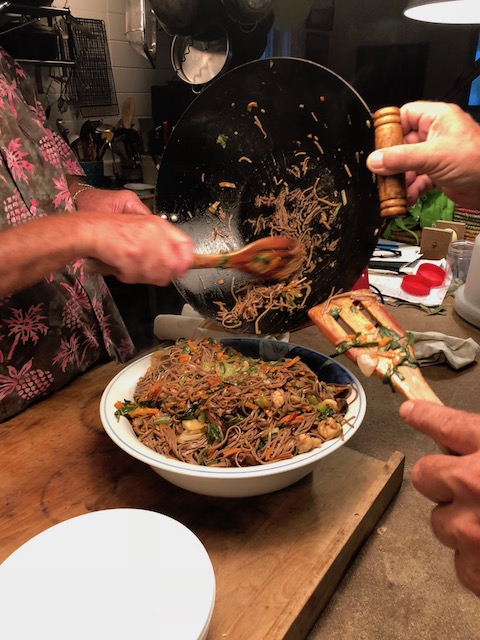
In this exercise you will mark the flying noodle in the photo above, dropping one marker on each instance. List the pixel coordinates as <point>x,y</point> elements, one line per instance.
<point>204,403</point>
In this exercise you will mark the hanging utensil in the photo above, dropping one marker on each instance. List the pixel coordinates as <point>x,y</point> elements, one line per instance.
<point>107,134</point>
<point>262,131</point>
<point>62,129</point>
<point>128,112</point>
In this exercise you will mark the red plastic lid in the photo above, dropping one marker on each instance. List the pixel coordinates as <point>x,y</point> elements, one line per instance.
<point>416,285</point>
<point>433,273</point>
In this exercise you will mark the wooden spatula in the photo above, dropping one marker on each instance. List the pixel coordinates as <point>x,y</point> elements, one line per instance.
<point>360,326</point>
<point>271,258</point>
<point>128,112</point>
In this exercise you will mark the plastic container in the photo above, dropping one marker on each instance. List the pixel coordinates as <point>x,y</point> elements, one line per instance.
<point>459,255</point>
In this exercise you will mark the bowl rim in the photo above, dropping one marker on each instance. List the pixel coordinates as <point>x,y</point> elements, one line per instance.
<point>158,461</point>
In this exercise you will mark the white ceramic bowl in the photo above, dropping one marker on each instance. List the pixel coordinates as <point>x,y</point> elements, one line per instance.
<point>233,482</point>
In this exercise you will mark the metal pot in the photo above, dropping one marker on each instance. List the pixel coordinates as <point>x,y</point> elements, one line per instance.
<point>197,62</point>
<point>248,12</point>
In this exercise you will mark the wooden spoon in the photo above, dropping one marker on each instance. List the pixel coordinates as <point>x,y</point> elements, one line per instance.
<point>272,258</point>
<point>128,112</point>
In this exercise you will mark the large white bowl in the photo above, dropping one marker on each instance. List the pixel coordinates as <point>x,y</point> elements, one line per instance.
<point>233,482</point>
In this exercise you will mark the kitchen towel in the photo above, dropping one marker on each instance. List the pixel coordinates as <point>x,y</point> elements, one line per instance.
<point>190,324</point>
<point>431,347</point>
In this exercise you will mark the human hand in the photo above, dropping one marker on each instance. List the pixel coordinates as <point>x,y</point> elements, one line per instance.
<point>441,150</point>
<point>453,482</point>
<point>116,200</point>
<point>138,248</point>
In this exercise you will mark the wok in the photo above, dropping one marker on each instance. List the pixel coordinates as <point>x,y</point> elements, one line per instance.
<point>249,129</point>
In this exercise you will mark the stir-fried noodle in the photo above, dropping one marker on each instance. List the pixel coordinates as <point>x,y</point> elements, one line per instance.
<point>304,214</point>
<point>204,403</point>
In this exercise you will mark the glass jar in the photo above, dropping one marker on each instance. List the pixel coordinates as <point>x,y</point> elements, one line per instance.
<point>459,255</point>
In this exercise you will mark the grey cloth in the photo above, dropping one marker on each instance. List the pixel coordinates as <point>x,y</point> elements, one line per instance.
<point>431,347</point>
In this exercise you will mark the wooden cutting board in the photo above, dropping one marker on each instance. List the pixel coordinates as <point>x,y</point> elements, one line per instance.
<point>277,570</point>
<point>277,558</point>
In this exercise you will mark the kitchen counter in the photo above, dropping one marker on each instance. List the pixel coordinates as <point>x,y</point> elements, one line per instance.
<point>56,462</point>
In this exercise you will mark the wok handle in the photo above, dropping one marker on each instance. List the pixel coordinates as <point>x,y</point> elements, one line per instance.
<point>392,191</point>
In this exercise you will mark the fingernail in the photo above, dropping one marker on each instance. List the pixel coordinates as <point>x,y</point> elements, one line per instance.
<point>405,409</point>
<point>375,160</point>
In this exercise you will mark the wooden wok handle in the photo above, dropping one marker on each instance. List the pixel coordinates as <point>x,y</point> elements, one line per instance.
<point>392,190</point>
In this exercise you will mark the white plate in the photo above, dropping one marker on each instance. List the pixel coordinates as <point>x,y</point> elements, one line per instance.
<point>139,186</point>
<point>117,574</point>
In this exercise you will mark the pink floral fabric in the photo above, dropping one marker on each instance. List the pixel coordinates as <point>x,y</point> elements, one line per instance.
<point>58,328</point>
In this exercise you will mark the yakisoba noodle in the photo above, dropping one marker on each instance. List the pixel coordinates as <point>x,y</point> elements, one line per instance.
<point>204,403</point>
<point>298,213</point>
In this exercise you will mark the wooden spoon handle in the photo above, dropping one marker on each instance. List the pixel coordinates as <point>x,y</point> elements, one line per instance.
<point>392,191</point>
<point>210,261</point>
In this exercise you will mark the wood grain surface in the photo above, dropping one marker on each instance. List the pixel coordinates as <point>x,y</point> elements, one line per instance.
<point>277,558</point>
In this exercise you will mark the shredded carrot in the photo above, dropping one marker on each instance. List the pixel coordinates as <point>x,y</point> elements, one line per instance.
<point>290,417</point>
<point>285,365</point>
<point>184,357</point>
<point>384,341</point>
<point>154,389</point>
<point>230,452</point>
<point>250,405</point>
<point>283,456</point>
<point>144,411</point>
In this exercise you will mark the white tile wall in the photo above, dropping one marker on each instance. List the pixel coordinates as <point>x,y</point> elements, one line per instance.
<point>133,75</point>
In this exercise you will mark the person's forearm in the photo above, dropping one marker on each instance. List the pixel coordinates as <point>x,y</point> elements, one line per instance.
<point>33,250</point>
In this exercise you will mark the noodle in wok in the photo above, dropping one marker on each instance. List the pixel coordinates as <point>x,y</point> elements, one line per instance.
<point>303,214</point>
<point>207,404</point>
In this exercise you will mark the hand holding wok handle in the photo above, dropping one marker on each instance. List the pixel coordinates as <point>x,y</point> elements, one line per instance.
<point>392,191</point>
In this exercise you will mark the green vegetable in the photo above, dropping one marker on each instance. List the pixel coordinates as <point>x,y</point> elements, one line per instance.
<point>429,208</point>
<point>189,414</point>
<point>263,401</point>
<point>325,410</point>
<point>222,140</point>
<point>129,406</point>
<point>213,433</point>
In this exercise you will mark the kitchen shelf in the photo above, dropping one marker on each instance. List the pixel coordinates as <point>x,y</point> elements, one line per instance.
<point>19,17</point>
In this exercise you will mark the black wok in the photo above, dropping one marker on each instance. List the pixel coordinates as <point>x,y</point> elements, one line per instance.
<point>302,108</point>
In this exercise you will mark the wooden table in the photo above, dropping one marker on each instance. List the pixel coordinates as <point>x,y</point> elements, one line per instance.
<point>277,558</point>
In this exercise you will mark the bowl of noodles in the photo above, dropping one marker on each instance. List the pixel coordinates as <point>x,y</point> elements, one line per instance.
<point>235,417</point>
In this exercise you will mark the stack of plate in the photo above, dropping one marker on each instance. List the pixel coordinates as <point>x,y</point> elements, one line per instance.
<point>119,573</point>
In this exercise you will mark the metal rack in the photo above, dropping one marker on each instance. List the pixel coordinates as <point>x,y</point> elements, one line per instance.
<point>15,16</point>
